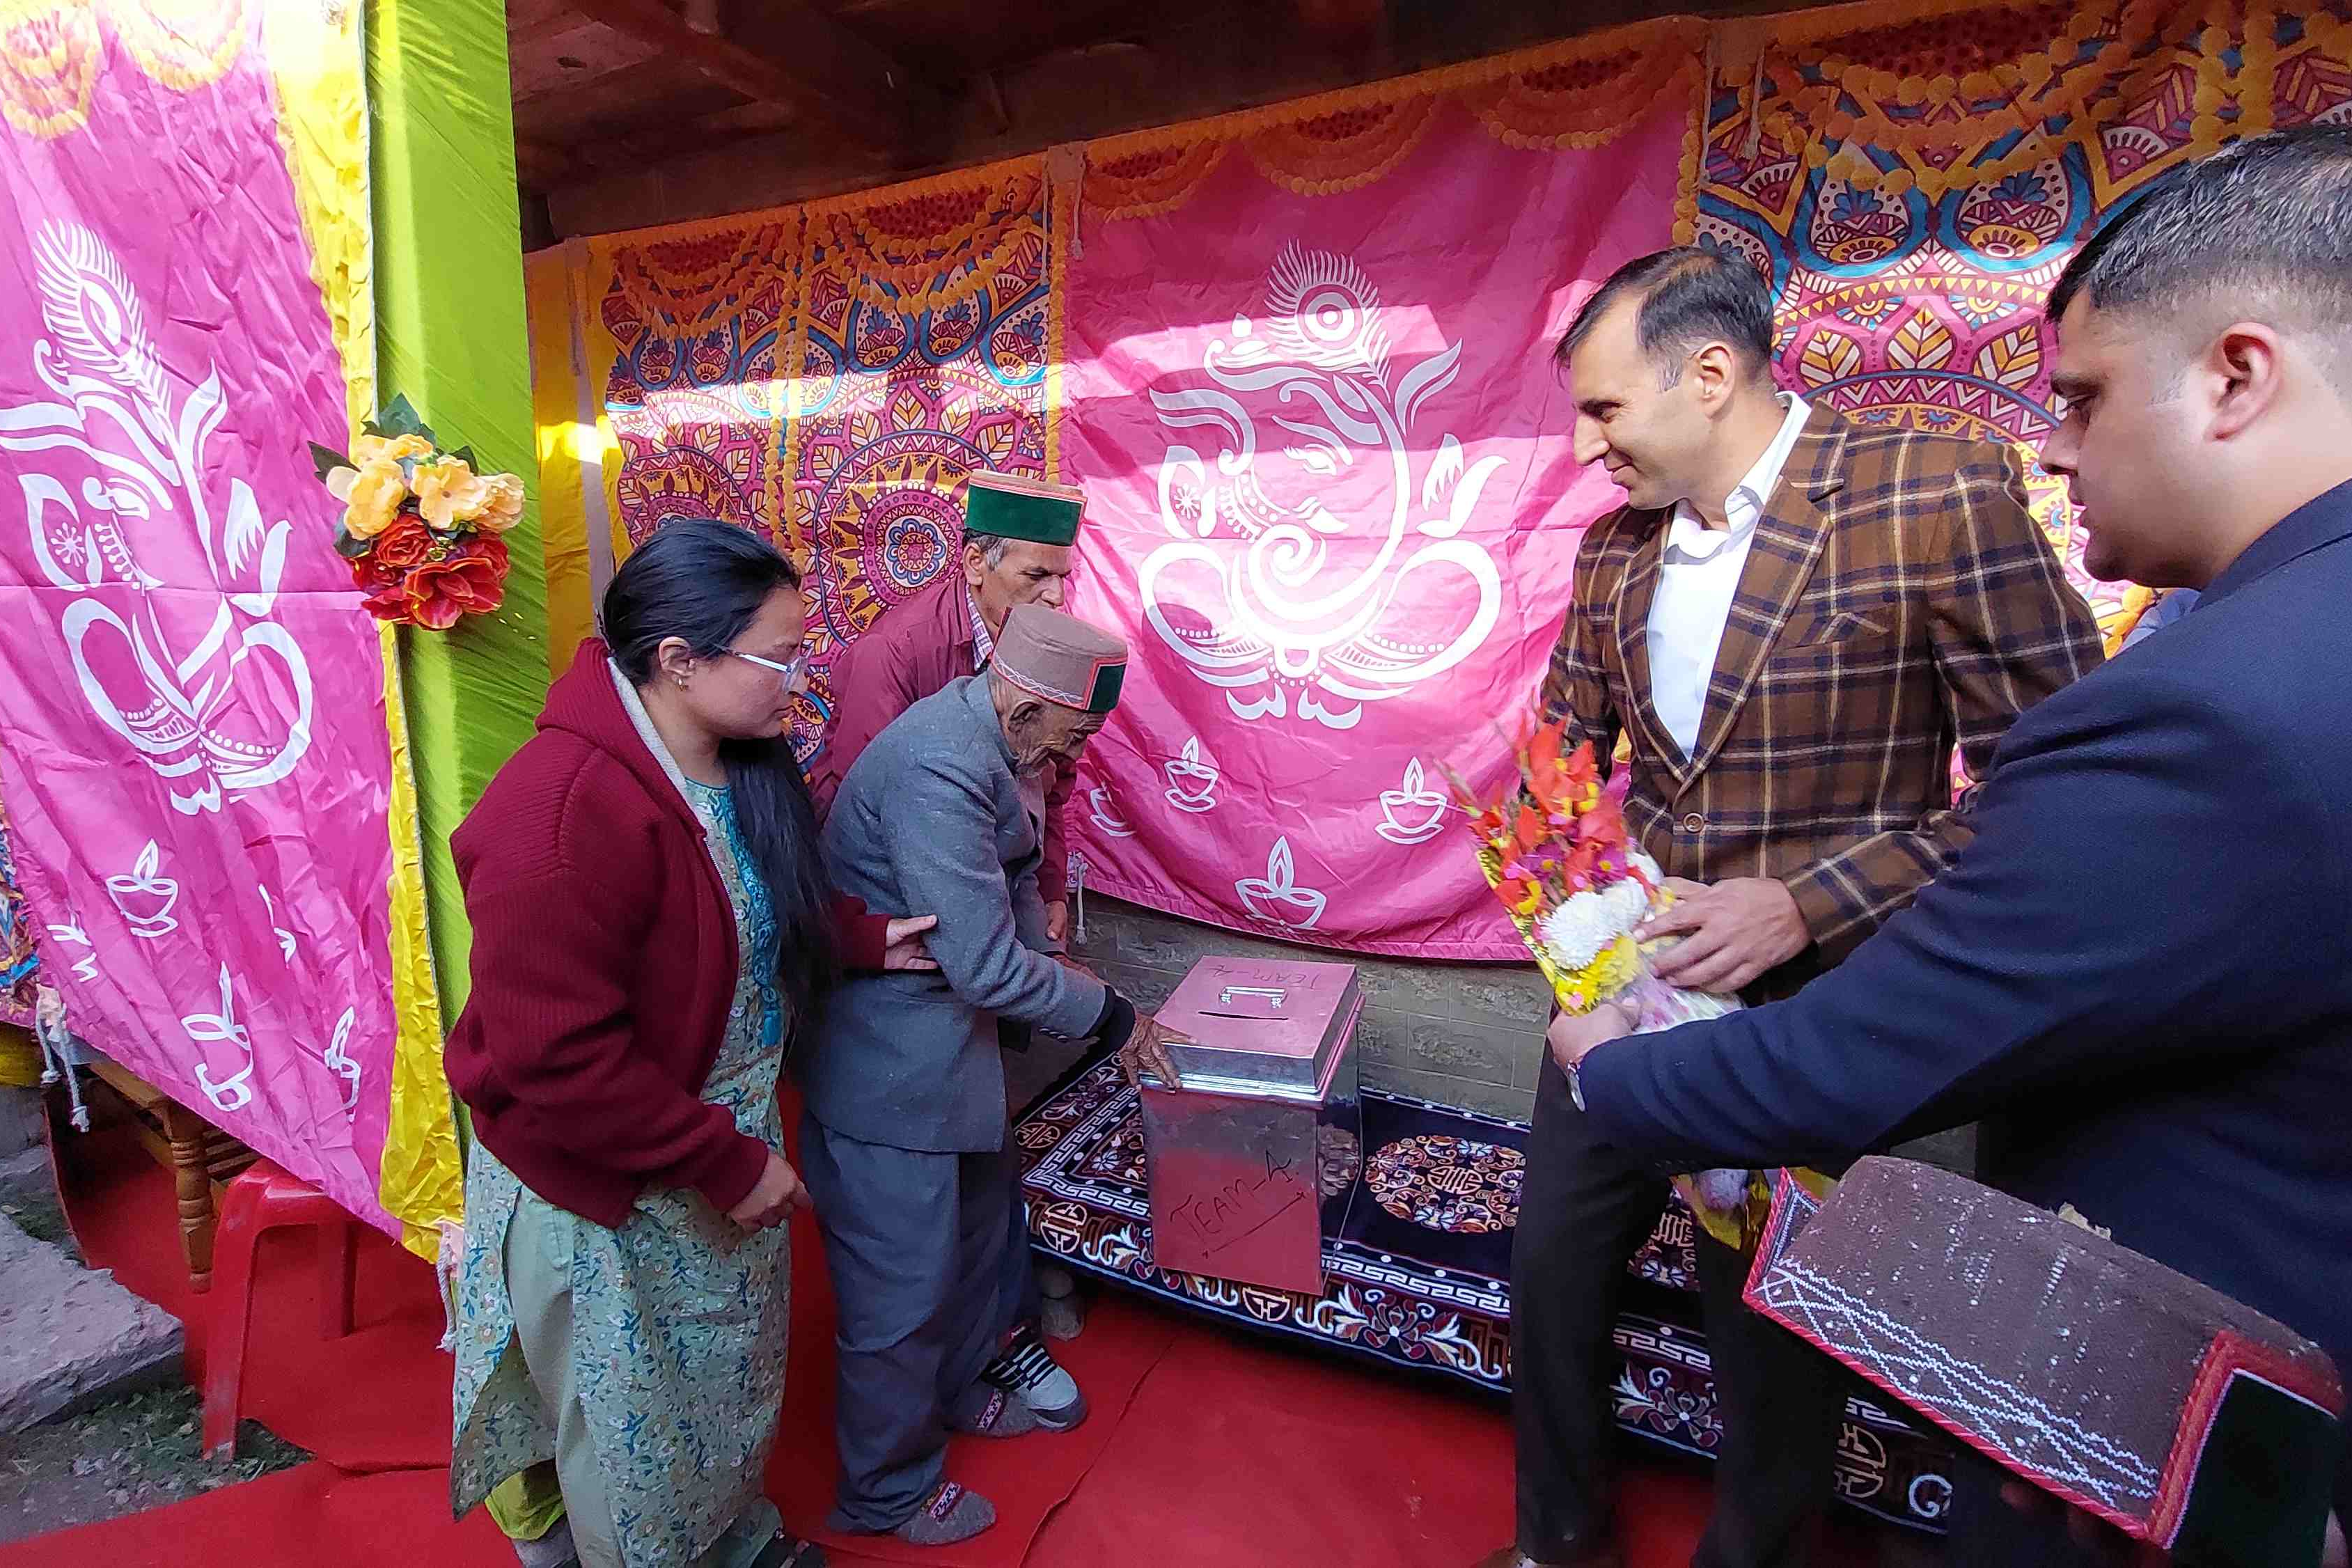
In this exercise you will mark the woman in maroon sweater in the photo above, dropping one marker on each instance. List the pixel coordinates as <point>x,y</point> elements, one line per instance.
<point>651,924</point>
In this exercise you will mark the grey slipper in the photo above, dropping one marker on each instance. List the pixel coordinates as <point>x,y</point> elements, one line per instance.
<point>951,1514</point>
<point>988,1411</point>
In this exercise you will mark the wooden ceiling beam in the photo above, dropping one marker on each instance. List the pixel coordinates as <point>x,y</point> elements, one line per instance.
<point>540,166</point>
<point>636,147</point>
<point>789,52</point>
<point>1355,25</point>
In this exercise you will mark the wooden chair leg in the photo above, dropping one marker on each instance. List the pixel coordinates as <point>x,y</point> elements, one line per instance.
<point>339,1264</point>
<point>192,1187</point>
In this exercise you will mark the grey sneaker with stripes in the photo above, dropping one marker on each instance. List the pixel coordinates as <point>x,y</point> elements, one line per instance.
<point>1027,1371</point>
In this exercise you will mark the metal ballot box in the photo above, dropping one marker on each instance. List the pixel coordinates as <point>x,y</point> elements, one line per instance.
<point>1254,1159</point>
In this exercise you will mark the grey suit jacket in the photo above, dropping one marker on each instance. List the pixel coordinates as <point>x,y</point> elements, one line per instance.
<point>930,821</point>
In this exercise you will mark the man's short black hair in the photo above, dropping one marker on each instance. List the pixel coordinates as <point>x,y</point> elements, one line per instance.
<point>2267,220</point>
<point>1690,298</point>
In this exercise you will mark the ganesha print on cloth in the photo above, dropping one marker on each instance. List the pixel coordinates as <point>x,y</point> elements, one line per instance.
<point>1317,427</point>
<point>193,741</point>
<point>1326,487</point>
<point>161,676</point>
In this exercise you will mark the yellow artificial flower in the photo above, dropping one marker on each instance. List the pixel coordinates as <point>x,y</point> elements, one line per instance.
<point>502,505</point>
<point>447,491</point>
<point>366,449</point>
<point>1610,972</point>
<point>372,499</point>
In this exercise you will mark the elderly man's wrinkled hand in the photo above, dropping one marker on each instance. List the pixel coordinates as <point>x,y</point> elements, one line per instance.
<point>1147,1052</point>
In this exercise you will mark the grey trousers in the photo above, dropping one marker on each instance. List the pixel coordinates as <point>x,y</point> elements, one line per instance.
<point>539,1290</point>
<point>929,1279</point>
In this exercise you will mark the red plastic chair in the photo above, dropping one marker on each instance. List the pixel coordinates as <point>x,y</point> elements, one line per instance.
<point>267,1198</point>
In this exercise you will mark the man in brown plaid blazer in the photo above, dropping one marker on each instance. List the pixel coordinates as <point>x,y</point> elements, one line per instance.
<point>1790,628</point>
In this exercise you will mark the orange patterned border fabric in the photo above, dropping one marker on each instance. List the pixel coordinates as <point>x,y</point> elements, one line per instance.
<point>927,246</point>
<point>1950,98</point>
<point>1579,93</point>
<point>51,52</point>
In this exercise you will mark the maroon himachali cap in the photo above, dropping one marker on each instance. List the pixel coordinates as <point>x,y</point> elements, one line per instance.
<point>1061,658</point>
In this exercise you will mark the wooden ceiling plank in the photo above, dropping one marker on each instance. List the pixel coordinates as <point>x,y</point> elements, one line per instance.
<point>786,51</point>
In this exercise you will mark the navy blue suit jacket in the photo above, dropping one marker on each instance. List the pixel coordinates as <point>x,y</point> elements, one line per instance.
<point>2138,975</point>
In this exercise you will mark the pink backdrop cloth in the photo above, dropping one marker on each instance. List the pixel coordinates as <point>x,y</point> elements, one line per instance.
<point>191,729</point>
<point>1332,501</point>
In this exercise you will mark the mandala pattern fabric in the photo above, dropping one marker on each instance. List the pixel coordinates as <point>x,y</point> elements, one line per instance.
<point>921,351</point>
<point>1314,411</point>
<point>1466,1186</point>
<point>692,389</point>
<point>1911,190</point>
<point>1421,1279</point>
<point>829,377</point>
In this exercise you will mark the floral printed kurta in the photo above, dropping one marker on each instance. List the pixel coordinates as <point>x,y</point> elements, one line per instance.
<point>678,1317</point>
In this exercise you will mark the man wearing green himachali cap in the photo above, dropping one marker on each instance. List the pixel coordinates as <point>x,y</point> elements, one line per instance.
<point>1017,549</point>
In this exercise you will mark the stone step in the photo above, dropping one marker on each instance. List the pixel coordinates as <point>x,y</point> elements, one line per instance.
<point>70,1337</point>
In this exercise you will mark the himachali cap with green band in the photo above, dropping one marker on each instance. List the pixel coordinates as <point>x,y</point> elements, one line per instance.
<point>1061,658</point>
<point>1010,507</point>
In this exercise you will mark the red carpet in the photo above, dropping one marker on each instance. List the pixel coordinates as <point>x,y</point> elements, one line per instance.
<point>1203,1448</point>
<point>316,1515</point>
<point>1025,1478</point>
<point>1245,1453</point>
<point>377,1400</point>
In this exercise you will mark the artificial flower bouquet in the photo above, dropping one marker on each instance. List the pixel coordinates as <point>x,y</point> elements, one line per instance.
<point>420,527</point>
<point>1557,853</point>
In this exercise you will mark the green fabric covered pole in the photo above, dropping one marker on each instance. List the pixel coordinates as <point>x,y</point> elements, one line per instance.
<point>451,334</point>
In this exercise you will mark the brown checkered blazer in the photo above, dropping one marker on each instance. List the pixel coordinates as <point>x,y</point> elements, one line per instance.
<point>1897,598</point>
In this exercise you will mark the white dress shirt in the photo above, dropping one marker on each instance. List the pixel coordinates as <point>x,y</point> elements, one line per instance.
<point>1698,576</point>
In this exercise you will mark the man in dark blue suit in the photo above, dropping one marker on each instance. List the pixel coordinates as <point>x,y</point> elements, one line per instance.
<point>2139,976</point>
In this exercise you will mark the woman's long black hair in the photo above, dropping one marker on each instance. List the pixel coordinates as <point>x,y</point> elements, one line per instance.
<point>703,581</point>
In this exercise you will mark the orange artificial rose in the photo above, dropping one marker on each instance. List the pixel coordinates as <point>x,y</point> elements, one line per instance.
<point>448,492</point>
<point>403,546</point>
<point>366,449</point>
<point>372,499</point>
<point>502,505</point>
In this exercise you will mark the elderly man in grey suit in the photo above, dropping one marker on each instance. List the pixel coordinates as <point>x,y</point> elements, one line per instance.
<point>904,1146</point>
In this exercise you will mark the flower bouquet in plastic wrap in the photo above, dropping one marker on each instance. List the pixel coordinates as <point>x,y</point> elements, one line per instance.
<point>1557,852</point>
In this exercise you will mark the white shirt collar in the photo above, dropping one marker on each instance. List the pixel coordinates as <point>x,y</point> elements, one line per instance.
<point>1688,540</point>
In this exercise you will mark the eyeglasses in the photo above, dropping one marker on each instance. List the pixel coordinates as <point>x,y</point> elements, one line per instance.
<point>793,672</point>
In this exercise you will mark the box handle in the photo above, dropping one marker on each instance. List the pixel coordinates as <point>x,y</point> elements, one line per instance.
<point>1275,994</point>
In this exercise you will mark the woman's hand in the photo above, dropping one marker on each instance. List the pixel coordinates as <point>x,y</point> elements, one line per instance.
<point>1572,1035</point>
<point>772,1199</point>
<point>907,949</point>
